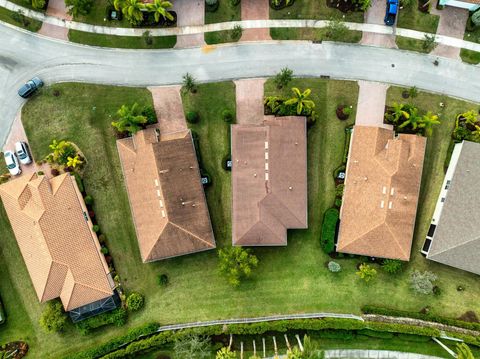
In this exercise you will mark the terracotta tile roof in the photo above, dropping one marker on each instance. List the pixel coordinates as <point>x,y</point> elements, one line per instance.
<point>166,195</point>
<point>381,193</point>
<point>269,180</point>
<point>60,250</point>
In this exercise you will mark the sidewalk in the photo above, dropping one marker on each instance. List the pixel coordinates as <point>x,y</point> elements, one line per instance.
<point>247,24</point>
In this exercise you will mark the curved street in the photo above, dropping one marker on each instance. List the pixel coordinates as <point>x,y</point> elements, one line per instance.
<point>24,54</point>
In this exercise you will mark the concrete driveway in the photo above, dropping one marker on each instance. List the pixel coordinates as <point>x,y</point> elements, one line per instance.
<point>189,12</point>
<point>255,10</point>
<point>168,106</point>
<point>249,97</point>
<point>375,15</point>
<point>371,104</point>
<point>452,23</point>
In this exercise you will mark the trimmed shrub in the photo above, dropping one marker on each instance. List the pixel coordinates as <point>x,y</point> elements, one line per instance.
<point>96,228</point>
<point>211,5</point>
<point>135,301</point>
<point>339,190</point>
<point>163,280</point>
<point>104,250</point>
<point>329,227</point>
<point>422,283</point>
<point>334,267</point>
<point>102,238</point>
<point>78,179</point>
<point>192,117</point>
<point>338,202</point>
<point>40,173</point>
<point>337,334</point>
<point>117,317</point>
<point>413,338</point>
<point>392,266</point>
<point>150,114</point>
<point>375,334</point>
<point>227,116</point>
<point>88,200</point>
<point>53,319</point>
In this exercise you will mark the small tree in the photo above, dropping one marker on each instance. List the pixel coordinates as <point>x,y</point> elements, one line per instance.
<point>163,280</point>
<point>283,78</point>
<point>422,283</point>
<point>147,37</point>
<point>135,301</point>
<point>189,83</point>
<point>429,43</point>
<point>476,18</point>
<point>74,161</point>
<point>299,99</point>
<point>236,33</point>
<point>464,352</point>
<point>392,266</point>
<point>336,30</point>
<point>192,346</point>
<point>78,7</point>
<point>366,272</point>
<point>334,267</point>
<point>38,4</point>
<point>53,318</point>
<point>130,119</point>
<point>225,353</point>
<point>413,92</point>
<point>236,263</point>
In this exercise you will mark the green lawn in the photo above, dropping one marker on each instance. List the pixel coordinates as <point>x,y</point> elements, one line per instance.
<point>473,36</point>
<point>411,18</point>
<point>125,42</point>
<point>406,43</point>
<point>98,13</point>
<point>469,56</point>
<point>225,12</point>
<point>19,20</point>
<point>278,33</point>
<point>3,165</point>
<point>314,9</point>
<point>289,279</point>
<point>26,3</point>
<point>220,37</point>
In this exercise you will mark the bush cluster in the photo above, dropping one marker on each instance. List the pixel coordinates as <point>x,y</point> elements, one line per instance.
<point>371,309</point>
<point>329,226</point>
<point>135,301</point>
<point>348,326</point>
<point>117,317</point>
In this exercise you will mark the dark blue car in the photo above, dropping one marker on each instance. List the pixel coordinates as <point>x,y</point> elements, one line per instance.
<point>391,12</point>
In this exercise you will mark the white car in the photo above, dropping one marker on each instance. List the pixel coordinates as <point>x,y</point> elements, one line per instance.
<point>12,163</point>
<point>21,148</point>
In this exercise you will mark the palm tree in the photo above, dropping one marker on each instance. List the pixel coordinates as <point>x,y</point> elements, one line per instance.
<point>464,352</point>
<point>427,122</point>
<point>159,8</point>
<point>130,119</point>
<point>58,149</point>
<point>74,161</point>
<point>300,100</point>
<point>118,4</point>
<point>398,112</point>
<point>412,119</point>
<point>132,9</point>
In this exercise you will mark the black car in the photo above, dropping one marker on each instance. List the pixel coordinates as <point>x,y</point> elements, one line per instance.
<point>30,87</point>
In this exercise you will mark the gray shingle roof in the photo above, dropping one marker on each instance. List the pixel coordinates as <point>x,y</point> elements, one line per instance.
<point>457,237</point>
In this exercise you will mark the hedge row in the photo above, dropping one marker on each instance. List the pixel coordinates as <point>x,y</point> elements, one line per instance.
<point>347,325</point>
<point>114,344</point>
<point>371,309</point>
<point>117,317</point>
<point>329,227</point>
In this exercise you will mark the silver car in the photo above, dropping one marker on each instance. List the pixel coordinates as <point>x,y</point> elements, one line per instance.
<point>12,163</point>
<point>21,148</point>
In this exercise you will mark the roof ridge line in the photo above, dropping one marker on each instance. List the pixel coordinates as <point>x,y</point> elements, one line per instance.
<point>456,246</point>
<point>288,209</point>
<point>193,235</point>
<point>263,223</point>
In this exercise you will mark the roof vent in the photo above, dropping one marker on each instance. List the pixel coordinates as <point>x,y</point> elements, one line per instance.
<point>254,175</point>
<point>290,188</point>
<point>296,143</point>
<point>191,167</point>
<point>194,205</point>
<point>183,203</point>
<point>365,178</point>
<point>405,198</point>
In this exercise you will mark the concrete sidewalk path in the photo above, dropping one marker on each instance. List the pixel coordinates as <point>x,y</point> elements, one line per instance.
<point>167,102</point>
<point>249,96</point>
<point>371,104</point>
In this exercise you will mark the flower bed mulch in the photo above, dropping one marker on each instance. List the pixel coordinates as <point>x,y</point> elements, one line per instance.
<point>14,350</point>
<point>343,5</point>
<point>281,5</point>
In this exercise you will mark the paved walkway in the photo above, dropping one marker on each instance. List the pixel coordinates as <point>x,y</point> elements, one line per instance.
<point>452,23</point>
<point>249,96</point>
<point>371,104</point>
<point>255,10</point>
<point>168,106</point>
<point>190,13</point>
<point>247,24</point>
<point>56,8</point>
<point>375,15</point>
<point>368,354</point>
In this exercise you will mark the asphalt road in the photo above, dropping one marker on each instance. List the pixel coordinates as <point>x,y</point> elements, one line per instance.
<point>24,55</point>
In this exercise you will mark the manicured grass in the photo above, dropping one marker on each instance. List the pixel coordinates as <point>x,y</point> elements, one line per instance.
<point>469,56</point>
<point>278,33</point>
<point>3,165</point>
<point>220,37</point>
<point>411,18</point>
<point>473,36</point>
<point>314,9</point>
<point>289,279</point>
<point>125,42</point>
<point>225,12</point>
<point>27,4</point>
<point>406,43</point>
<point>98,14</point>
<point>27,23</point>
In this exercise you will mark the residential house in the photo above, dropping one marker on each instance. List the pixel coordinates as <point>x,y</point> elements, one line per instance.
<point>166,195</point>
<point>382,185</point>
<point>269,180</point>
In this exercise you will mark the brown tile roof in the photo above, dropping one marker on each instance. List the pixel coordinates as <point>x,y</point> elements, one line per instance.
<point>381,193</point>
<point>60,250</point>
<point>269,180</point>
<point>166,195</point>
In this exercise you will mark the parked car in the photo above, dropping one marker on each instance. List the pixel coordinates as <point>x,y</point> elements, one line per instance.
<point>23,154</point>
<point>12,163</point>
<point>30,87</point>
<point>391,12</point>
